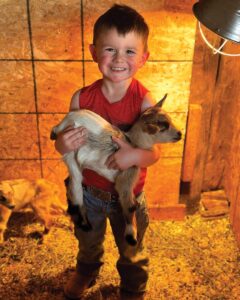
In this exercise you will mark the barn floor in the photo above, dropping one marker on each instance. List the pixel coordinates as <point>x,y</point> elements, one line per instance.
<point>195,259</point>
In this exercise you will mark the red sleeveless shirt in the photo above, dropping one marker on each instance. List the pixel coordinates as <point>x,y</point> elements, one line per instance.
<point>121,114</point>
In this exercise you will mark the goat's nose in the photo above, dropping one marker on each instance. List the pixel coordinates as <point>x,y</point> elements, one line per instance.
<point>179,135</point>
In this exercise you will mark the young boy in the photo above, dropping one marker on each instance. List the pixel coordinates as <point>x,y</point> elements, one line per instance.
<point>120,49</point>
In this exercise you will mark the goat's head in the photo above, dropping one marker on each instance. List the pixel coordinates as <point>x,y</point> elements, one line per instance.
<point>157,123</point>
<point>6,195</point>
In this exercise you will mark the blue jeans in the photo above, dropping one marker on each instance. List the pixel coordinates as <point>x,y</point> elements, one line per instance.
<point>133,268</point>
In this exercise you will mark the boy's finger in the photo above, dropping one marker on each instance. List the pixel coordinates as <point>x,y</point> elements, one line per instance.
<point>121,143</point>
<point>111,163</point>
<point>75,131</point>
<point>68,128</point>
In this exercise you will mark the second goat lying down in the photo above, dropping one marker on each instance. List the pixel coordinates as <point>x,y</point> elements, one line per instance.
<point>153,127</point>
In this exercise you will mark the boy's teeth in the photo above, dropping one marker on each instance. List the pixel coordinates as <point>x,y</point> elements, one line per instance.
<point>118,69</point>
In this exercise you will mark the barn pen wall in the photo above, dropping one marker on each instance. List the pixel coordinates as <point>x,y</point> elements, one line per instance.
<point>44,59</point>
<point>215,88</point>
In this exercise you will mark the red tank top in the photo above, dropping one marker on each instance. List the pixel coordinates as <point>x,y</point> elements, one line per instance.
<point>121,114</point>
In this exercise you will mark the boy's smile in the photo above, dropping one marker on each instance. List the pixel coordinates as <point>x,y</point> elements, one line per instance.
<point>119,56</point>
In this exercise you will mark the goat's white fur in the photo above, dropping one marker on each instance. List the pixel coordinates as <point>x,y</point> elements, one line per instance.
<point>99,145</point>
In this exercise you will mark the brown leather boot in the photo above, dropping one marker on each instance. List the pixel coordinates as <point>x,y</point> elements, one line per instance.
<point>77,284</point>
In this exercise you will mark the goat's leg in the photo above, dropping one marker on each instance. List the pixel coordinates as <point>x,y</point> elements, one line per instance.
<point>124,184</point>
<point>76,208</point>
<point>5,214</point>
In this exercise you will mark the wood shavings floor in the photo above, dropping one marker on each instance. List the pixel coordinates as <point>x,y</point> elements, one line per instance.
<point>195,259</point>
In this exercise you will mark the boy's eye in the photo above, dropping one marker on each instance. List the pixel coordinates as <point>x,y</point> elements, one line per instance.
<point>130,52</point>
<point>111,50</point>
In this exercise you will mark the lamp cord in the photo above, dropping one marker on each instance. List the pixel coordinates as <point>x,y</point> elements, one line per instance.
<point>215,51</point>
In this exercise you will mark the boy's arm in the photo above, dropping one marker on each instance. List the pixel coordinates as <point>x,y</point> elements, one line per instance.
<point>148,101</point>
<point>128,156</point>
<point>71,138</point>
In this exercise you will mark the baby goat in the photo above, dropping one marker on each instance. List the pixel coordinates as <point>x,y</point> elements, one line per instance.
<point>153,127</point>
<point>41,195</point>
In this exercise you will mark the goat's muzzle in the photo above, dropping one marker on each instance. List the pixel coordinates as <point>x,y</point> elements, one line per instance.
<point>178,136</point>
<point>53,135</point>
<point>4,201</point>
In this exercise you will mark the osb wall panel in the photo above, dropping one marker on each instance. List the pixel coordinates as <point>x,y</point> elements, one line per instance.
<point>42,65</point>
<point>15,169</point>
<point>19,137</point>
<point>165,175</point>
<point>16,87</point>
<point>166,77</point>
<point>56,83</point>
<point>46,122</point>
<point>164,24</point>
<point>61,20</point>
<point>172,78</point>
<point>14,37</point>
<point>56,171</point>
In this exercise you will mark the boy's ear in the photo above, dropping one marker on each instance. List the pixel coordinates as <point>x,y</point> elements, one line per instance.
<point>92,50</point>
<point>145,57</point>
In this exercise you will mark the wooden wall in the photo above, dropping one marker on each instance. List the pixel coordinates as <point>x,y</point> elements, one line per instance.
<point>44,58</point>
<point>215,87</point>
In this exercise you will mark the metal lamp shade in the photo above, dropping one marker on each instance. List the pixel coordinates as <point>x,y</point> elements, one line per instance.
<point>220,16</point>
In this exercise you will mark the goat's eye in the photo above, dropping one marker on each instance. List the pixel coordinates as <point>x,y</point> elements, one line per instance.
<point>163,126</point>
<point>3,199</point>
<point>162,129</point>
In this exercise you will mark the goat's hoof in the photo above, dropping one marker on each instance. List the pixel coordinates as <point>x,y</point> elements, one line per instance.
<point>85,227</point>
<point>72,209</point>
<point>133,208</point>
<point>131,240</point>
<point>46,230</point>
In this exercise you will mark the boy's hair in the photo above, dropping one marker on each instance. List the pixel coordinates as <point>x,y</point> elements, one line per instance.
<point>124,19</point>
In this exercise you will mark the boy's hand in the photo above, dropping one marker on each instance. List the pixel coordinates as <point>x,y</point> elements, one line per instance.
<point>124,158</point>
<point>70,139</point>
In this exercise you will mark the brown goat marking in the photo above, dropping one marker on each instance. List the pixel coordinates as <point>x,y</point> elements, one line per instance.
<point>150,128</point>
<point>154,120</point>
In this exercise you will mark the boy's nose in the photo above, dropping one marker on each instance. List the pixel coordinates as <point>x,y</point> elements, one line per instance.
<point>118,56</point>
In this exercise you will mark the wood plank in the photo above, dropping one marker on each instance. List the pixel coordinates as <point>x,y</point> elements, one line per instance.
<point>174,213</point>
<point>224,121</point>
<point>191,141</point>
<point>232,167</point>
<point>204,72</point>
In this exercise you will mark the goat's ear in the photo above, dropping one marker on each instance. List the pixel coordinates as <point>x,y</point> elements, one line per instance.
<point>160,102</point>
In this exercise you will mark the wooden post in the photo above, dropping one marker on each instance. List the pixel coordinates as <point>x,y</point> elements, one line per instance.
<point>204,74</point>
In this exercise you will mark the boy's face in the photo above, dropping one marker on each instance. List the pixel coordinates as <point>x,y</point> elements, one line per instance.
<point>119,56</point>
